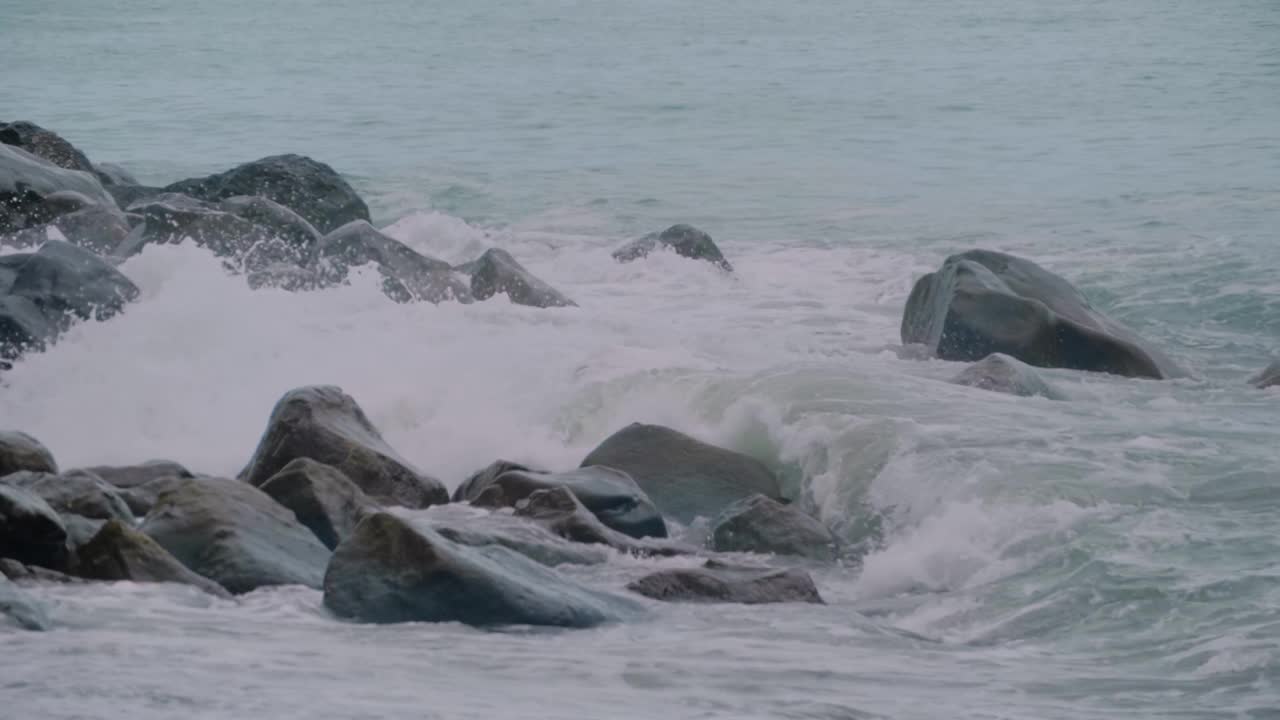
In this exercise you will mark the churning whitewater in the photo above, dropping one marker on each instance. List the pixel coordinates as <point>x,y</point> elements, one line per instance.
<point>1105,547</point>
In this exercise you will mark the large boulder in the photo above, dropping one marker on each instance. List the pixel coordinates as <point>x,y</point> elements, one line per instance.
<point>1000,373</point>
<point>118,552</point>
<point>612,495</point>
<point>64,280</point>
<point>685,477</point>
<point>1268,377</point>
<point>173,218</point>
<point>325,424</point>
<point>19,451</point>
<point>31,532</point>
<point>311,189</point>
<point>406,274</point>
<point>761,524</point>
<point>236,535</point>
<point>685,240</point>
<point>393,571</point>
<point>982,302</point>
<point>475,527</point>
<point>45,144</point>
<point>321,497</point>
<point>74,493</point>
<point>497,272</point>
<point>26,180</point>
<point>559,511</point>
<point>19,609</point>
<point>716,582</point>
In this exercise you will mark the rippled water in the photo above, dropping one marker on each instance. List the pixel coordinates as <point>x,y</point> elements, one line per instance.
<point>1113,555</point>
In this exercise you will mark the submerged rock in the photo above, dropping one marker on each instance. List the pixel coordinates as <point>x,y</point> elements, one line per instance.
<point>685,240</point>
<point>982,302</point>
<point>761,524</point>
<point>1003,374</point>
<point>497,272</point>
<point>1268,377</point>
<point>19,451</point>
<point>311,189</point>
<point>19,609</point>
<point>685,477</point>
<point>393,571</point>
<point>559,511</point>
<point>26,180</point>
<point>407,275</point>
<point>31,532</point>
<point>75,493</point>
<point>118,552</point>
<point>325,424</point>
<point>321,497</point>
<point>236,535</point>
<point>717,582</point>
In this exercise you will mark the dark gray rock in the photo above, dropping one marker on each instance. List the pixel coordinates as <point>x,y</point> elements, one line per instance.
<point>80,530</point>
<point>126,195</point>
<point>560,511</point>
<point>684,477</point>
<point>173,218</point>
<point>321,497</point>
<point>278,220</point>
<point>33,574</point>
<point>719,583</point>
<point>1003,374</point>
<point>141,498</point>
<point>76,493</point>
<point>467,525</point>
<point>311,189</point>
<point>118,552</point>
<point>112,174</point>
<point>95,228</point>
<point>760,524</point>
<point>325,424</point>
<point>23,328</point>
<point>685,240</point>
<point>31,532</point>
<point>406,274</point>
<point>611,495</point>
<point>474,485</point>
<point>26,180</point>
<point>497,272</point>
<point>19,609</point>
<point>68,201</point>
<point>1268,377</point>
<point>131,476</point>
<point>19,451</point>
<point>392,571</point>
<point>982,302</point>
<point>44,144</point>
<point>235,535</point>
<point>65,281</point>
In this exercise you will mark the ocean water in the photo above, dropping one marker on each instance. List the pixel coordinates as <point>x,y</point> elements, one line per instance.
<point>1112,555</point>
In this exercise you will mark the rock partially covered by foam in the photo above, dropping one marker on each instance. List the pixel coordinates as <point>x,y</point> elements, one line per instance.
<point>685,240</point>
<point>497,272</point>
<point>19,451</point>
<point>684,477</point>
<point>310,188</point>
<point>118,552</point>
<point>235,535</point>
<point>407,275</point>
<point>982,302</point>
<point>26,180</point>
<point>1000,373</point>
<point>559,511</point>
<point>717,582</point>
<point>19,609</point>
<point>610,494</point>
<point>761,524</point>
<point>325,424</point>
<point>392,571</point>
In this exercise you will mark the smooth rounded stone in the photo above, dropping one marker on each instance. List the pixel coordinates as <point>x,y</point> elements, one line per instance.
<point>76,492</point>
<point>23,574</point>
<point>118,552</point>
<point>311,189</point>
<point>19,451</point>
<point>982,302</point>
<point>112,174</point>
<point>467,525</point>
<point>1268,377</point>
<point>685,240</point>
<point>325,424</point>
<point>684,477</point>
<point>19,609</point>
<point>1000,373</point>
<point>476,484</point>
<point>407,275</point>
<point>496,271</point>
<point>94,228</point>
<point>391,571</point>
<point>560,511</point>
<point>235,535</point>
<point>321,497</point>
<point>45,144</point>
<point>26,180</point>
<point>610,494</point>
<point>717,582</point>
<point>130,476</point>
<point>31,532</point>
<point>761,524</point>
<point>174,218</point>
<point>62,279</point>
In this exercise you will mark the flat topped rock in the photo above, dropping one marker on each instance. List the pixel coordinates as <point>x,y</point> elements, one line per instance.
<point>19,451</point>
<point>717,582</point>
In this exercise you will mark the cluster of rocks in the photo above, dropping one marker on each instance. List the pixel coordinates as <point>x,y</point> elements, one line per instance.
<point>284,221</point>
<point>325,502</point>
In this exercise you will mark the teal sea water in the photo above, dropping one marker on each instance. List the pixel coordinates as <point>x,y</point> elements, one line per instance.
<point>1116,554</point>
